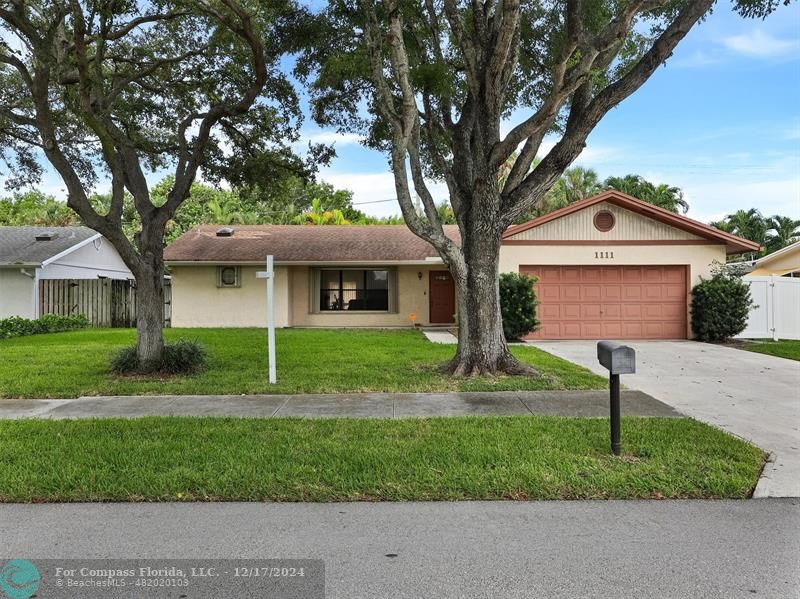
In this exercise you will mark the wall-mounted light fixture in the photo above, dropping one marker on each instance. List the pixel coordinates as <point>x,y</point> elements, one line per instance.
<point>419,275</point>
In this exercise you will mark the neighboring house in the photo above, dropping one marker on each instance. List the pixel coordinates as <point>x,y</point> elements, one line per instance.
<point>608,266</point>
<point>783,263</point>
<point>31,255</point>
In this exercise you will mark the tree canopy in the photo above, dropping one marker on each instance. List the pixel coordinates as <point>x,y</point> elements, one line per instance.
<point>772,233</point>
<point>118,90</point>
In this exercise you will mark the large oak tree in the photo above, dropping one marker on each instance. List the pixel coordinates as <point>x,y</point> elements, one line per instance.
<point>115,89</point>
<point>433,83</point>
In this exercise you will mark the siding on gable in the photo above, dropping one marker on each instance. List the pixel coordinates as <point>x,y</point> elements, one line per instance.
<point>628,226</point>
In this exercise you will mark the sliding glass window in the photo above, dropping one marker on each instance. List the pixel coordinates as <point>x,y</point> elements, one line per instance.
<point>359,290</point>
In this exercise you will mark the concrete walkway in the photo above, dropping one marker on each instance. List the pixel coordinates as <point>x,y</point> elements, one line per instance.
<point>464,550</point>
<point>590,404</point>
<point>754,396</point>
<point>440,336</point>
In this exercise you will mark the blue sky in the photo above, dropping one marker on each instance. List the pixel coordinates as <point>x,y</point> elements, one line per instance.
<point>721,120</point>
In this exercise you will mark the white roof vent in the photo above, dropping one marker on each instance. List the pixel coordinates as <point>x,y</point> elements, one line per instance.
<point>225,232</point>
<point>46,236</point>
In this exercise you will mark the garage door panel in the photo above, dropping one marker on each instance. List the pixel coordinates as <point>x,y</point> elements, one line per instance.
<point>632,292</point>
<point>674,291</point>
<point>673,311</point>
<point>591,311</point>
<point>570,293</point>
<point>592,302</point>
<point>549,311</point>
<point>652,292</point>
<point>548,292</point>
<point>631,274</point>
<point>591,293</point>
<point>632,330</point>
<point>591,330</point>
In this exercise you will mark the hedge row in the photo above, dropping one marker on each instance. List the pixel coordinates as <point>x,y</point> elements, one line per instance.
<point>49,323</point>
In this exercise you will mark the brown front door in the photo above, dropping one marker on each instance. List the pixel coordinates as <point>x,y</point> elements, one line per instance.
<point>610,302</point>
<point>442,296</point>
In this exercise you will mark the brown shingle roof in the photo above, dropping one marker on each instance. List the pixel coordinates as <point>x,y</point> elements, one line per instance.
<point>303,243</point>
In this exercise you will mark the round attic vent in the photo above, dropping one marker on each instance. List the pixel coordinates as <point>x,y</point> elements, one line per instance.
<point>604,221</point>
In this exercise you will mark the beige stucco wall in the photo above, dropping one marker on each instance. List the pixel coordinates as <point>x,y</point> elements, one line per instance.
<point>198,302</point>
<point>16,293</point>
<point>412,297</point>
<point>628,225</point>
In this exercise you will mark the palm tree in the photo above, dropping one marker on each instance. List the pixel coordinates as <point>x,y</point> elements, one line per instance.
<point>749,224</point>
<point>580,183</point>
<point>786,231</point>
<point>317,216</point>
<point>669,198</point>
<point>664,196</point>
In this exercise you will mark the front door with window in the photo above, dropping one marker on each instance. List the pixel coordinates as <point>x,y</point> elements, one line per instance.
<point>442,297</point>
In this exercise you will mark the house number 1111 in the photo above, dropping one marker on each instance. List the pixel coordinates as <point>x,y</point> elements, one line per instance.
<point>599,255</point>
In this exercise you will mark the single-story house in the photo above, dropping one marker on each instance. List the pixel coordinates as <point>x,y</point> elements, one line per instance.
<point>608,266</point>
<point>31,255</point>
<point>783,263</point>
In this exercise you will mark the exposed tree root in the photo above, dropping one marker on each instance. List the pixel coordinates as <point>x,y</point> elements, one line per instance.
<point>508,365</point>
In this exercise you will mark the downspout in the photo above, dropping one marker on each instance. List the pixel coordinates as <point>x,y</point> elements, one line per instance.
<point>35,294</point>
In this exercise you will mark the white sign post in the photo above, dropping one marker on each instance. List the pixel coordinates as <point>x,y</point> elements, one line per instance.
<point>269,275</point>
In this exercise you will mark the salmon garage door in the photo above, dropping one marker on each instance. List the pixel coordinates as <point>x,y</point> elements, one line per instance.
<point>610,302</point>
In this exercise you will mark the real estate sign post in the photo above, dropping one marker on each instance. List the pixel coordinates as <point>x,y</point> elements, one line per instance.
<point>269,275</point>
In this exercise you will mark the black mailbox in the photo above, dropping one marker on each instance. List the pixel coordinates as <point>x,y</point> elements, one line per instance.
<point>618,358</point>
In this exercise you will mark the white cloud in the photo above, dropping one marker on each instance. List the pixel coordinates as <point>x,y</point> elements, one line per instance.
<point>697,59</point>
<point>711,199</point>
<point>759,44</point>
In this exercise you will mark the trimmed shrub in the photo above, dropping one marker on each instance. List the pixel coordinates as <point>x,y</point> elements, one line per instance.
<point>181,357</point>
<point>16,326</point>
<point>720,307</point>
<point>517,304</point>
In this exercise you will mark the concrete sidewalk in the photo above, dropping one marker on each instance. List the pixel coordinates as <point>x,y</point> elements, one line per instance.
<point>589,404</point>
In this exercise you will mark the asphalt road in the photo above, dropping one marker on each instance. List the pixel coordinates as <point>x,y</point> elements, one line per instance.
<point>637,549</point>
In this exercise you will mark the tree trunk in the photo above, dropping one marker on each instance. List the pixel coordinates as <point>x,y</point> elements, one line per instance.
<point>150,309</point>
<point>482,347</point>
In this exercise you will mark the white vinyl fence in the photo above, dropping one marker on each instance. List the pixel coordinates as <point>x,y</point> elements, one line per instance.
<point>776,314</point>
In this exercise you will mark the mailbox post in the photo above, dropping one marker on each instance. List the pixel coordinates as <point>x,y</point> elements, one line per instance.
<point>618,359</point>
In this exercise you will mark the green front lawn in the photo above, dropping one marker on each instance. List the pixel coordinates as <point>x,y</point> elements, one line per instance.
<point>309,361</point>
<point>209,459</point>
<point>783,349</point>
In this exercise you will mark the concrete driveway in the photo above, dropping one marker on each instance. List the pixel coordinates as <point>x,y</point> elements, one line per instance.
<point>751,395</point>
